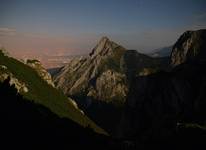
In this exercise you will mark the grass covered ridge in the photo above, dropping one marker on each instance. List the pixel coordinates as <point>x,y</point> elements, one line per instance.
<point>42,93</point>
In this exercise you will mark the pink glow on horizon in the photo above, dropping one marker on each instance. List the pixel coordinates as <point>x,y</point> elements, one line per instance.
<point>41,47</point>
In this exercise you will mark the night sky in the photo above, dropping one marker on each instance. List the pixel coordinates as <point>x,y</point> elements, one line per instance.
<point>66,27</point>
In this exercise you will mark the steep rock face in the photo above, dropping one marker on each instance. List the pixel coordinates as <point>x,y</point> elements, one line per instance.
<point>35,64</point>
<point>19,85</point>
<point>157,104</point>
<point>190,46</point>
<point>116,89</point>
<point>6,74</point>
<point>88,76</point>
<point>105,73</point>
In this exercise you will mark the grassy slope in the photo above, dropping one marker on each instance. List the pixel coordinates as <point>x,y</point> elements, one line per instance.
<point>42,93</point>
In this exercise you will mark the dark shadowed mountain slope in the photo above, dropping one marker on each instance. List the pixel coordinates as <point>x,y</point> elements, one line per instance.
<point>26,125</point>
<point>159,105</point>
<point>137,64</point>
<point>54,71</point>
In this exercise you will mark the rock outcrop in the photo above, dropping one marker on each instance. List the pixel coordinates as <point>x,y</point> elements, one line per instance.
<point>189,47</point>
<point>35,64</point>
<point>19,85</point>
<point>111,85</point>
<point>4,52</point>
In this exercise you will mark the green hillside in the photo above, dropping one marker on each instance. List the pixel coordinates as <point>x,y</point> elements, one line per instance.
<point>42,93</point>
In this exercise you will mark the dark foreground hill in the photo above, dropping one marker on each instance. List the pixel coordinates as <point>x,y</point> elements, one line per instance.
<point>25,125</point>
<point>34,88</point>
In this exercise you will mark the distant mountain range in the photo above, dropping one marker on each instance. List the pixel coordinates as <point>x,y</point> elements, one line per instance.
<point>161,52</point>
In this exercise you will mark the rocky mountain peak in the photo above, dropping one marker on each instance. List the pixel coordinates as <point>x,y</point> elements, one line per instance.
<point>104,39</point>
<point>190,46</point>
<point>90,75</point>
<point>104,47</point>
<point>6,74</point>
